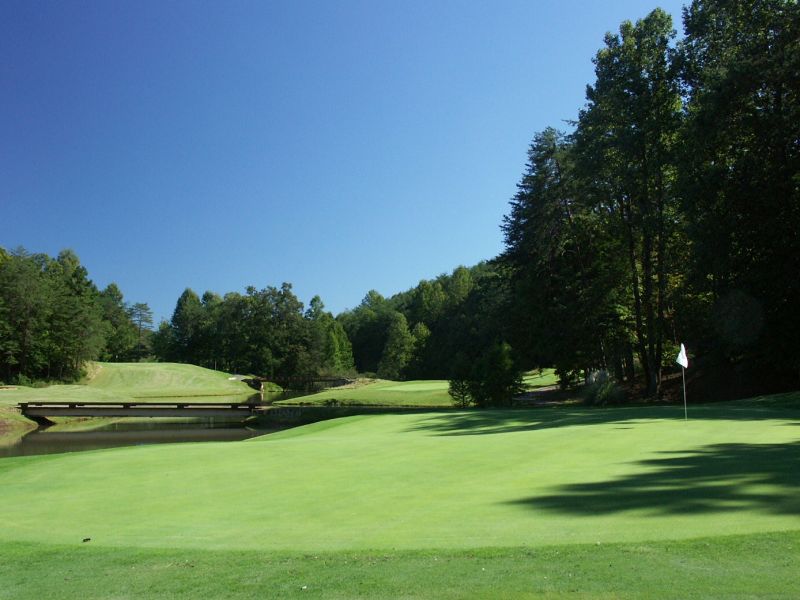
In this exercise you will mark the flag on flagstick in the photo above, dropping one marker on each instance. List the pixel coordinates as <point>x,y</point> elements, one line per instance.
<point>683,361</point>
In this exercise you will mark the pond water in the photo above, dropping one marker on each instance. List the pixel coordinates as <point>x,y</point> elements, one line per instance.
<point>135,432</point>
<point>48,441</point>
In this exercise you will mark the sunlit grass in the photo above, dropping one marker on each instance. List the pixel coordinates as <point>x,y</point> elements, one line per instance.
<point>430,393</point>
<point>479,503</point>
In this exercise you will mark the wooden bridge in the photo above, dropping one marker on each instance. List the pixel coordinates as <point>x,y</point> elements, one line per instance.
<point>39,411</point>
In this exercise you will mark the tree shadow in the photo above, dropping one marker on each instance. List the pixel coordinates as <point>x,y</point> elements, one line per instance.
<point>487,422</point>
<point>716,478</point>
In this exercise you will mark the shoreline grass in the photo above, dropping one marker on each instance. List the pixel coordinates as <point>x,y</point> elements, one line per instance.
<point>752,566</point>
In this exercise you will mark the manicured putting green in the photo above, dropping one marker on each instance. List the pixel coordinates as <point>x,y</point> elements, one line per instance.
<point>456,480</point>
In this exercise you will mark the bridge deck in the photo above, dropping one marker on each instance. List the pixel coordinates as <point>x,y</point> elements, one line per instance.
<point>137,409</point>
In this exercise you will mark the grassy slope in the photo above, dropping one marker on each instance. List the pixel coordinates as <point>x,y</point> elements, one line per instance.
<point>120,381</point>
<point>597,500</point>
<point>432,393</point>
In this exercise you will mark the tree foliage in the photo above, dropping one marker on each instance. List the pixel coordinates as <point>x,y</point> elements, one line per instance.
<point>265,332</point>
<point>672,209</point>
<point>53,318</point>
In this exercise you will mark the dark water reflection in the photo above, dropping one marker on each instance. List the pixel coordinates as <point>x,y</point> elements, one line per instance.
<point>44,441</point>
<point>135,432</point>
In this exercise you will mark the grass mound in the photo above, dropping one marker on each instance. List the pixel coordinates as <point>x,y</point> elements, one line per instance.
<point>143,380</point>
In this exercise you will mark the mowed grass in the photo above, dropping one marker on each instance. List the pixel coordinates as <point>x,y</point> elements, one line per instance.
<point>427,393</point>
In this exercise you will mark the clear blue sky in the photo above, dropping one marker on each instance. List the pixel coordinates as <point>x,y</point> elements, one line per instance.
<point>341,146</point>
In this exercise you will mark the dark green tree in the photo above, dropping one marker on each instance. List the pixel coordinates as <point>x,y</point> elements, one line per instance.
<point>398,349</point>
<point>564,306</point>
<point>187,328</point>
<point>625,142</point>
<point>142,318</point>
<point>740,186</point>
<point>122,332</point>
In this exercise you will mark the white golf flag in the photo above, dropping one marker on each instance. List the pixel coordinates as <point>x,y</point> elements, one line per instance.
<point>682,359</point>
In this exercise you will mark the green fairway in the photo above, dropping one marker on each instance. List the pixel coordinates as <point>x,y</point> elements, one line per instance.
<point>428,393</point>
<point>380,496</point>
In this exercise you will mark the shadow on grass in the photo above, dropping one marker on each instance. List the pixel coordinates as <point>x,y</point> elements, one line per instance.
<point>484,422</point>
<point>716,478</point>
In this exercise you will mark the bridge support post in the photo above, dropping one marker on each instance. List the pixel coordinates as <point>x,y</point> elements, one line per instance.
<point>39,420</point>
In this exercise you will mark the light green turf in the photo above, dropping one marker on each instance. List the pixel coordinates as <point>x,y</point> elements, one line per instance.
<point>430,393</point>
<point>538,379</point>
<point>456,480</point>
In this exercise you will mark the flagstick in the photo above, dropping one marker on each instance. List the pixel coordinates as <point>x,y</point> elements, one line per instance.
<point>685,413</point>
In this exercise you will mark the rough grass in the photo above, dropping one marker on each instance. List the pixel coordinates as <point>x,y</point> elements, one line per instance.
<point>749,566</point>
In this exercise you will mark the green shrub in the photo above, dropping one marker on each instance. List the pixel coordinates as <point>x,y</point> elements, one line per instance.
<point>23,380</point>
<point>602,393</point>
<point>459,392</point>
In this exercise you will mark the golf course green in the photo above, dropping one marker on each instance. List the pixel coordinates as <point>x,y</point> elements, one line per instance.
<point>611,502</point>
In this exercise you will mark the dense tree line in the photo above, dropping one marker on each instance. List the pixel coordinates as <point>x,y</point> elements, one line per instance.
<point>673,209</point>
<point>263,332</point>
<point>53,319</point>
